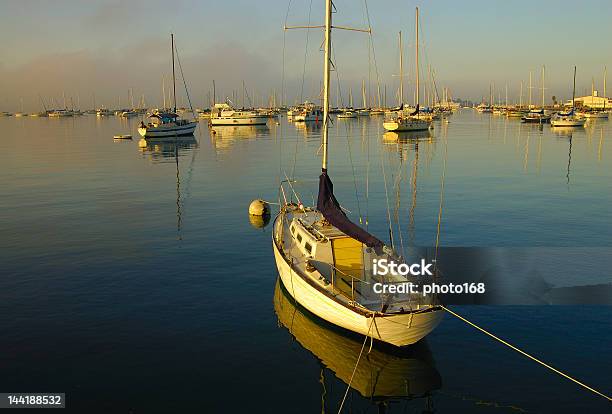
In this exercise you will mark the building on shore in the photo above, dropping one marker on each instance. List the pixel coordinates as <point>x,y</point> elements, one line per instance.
<point>593,101</point>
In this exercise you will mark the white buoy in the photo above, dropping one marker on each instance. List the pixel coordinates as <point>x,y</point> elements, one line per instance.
<point>259,208</point>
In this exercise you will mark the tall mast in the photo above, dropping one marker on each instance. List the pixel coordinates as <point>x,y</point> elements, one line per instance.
<point>542,86</point>
<point>417,55</point>
<point>401,90</point>
<point>604,95</point>
<point>214,93</point>
<point>363,93</point>
<point>530,87</point>
<point>326,79</point>
<point>164,90</point>
<point>506,95</point>
<point>574,89</point>
<point>521,98</point>
<point>173,76</point>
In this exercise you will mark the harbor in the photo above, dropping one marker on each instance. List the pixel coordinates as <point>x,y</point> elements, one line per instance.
<point>212,237</point>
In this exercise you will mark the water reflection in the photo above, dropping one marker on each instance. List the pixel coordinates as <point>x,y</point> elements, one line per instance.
<point>382,375</point>
<point>223,137</point>
<point>259,222</point>
<point>308,129</point>
<point>165,149</point>
<point>407,137</point>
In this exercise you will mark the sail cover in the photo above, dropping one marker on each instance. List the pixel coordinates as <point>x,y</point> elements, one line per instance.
<point>329,207</point>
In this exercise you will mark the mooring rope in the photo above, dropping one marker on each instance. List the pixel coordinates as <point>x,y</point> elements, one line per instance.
<point>520,351</point>
<point>348,387</point>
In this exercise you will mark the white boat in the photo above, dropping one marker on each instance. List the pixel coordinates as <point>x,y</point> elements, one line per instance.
<point>224,114</point>
<point>404,119</point>
<point>309,112</point>
<point>593,114</point>
<point>128,114</point>
<point>568,119</point>
<point>60,113</point>
<point>167,124</point>
<point>347,114</point>
<point>325,261</point>
<point>103,112</point>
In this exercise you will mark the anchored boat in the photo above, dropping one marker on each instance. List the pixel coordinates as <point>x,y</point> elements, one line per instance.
<point>167,124</point>
<point>568,119</point>
<point>403,119</point>
<point>325,261</point>
<point>224,114</point>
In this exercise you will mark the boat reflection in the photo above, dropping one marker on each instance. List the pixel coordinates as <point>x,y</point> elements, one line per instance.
<point>308,128</point>
<point>224,136</point>
<point>391,137</point>
<point>168,149</point>
<point>566,131</point>
<point>382,375</point>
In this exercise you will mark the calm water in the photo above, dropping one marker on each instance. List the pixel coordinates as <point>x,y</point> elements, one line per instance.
<point>132,279</point>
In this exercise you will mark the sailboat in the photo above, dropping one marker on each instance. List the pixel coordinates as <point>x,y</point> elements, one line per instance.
<point>568,119</point>
<point>167,124</point>
<point>537,116</point>
<point>325,261</point>
<point>405,119</point>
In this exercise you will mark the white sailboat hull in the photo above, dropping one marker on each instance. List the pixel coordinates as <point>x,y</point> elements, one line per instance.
<point>397,329</point>
<point>259,120</point>
<point>169,131</point>
<point>407,125</point>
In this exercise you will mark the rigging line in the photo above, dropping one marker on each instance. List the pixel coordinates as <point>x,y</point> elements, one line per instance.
<point>398,202</point>
<point>280,145</point>
<point>365,2</point>
<point>305,53</point>
<point>443,180</point>
<point>382,163</point>
<point>520,351</point>
<point>348,142</point>
<point>356,364</point>
<point>178,59</point>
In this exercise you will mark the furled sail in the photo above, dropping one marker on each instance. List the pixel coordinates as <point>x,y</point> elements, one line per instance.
<point>329,207</point>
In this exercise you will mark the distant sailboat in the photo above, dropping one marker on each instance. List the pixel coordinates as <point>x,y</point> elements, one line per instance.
<point>537,116</point>
<point>568,119</point>
<point>168,124</point>
<point>405,119</point>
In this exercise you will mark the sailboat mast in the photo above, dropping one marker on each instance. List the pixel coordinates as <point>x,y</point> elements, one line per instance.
<point>542,86</point>
<point>506,95</point>
<point>604,95</point>
<point>417,55</point>
<point>173,75</point>
<point>530,87</point>
<point>326,79</point>
<point>521,98</point>
<point>574,89</point>
<point>401,90</point>
<point>164,90</point>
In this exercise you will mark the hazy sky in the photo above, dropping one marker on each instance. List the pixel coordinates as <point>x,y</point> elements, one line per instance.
<point>106,47</point>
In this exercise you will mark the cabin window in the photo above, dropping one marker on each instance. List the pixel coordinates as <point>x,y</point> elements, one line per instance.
<point>308,247</point>
<point>292,230</point>
<point>299,238</point>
